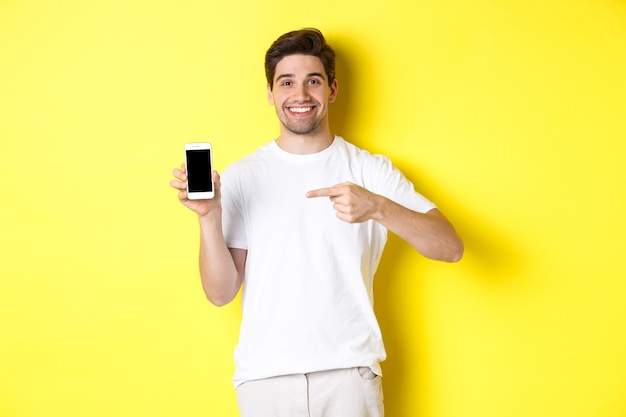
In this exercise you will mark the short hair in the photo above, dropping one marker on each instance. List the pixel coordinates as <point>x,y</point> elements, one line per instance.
<point>308,41</point>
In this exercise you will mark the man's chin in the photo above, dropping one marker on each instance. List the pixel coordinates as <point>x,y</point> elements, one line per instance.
<point>301,129</point>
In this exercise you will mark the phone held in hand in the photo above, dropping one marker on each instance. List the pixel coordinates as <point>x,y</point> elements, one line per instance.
<point>199,163</point>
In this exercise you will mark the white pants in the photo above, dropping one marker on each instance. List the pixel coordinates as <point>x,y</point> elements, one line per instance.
<point>355,392</point>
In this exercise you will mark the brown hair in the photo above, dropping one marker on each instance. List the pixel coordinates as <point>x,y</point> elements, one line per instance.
<point>307,41</point>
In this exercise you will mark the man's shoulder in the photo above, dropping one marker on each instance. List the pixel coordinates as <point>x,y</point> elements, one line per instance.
<point>356,152</point>
<point>258,155</point>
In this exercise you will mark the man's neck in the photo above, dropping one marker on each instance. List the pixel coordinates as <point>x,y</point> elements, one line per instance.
<point>304,144</point>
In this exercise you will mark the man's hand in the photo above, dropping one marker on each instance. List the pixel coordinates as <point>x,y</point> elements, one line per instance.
<point>354,204</point>
<point>201,207</point>
<point>431,234</point>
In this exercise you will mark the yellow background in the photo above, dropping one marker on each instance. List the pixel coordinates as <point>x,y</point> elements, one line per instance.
<point>510,115</point>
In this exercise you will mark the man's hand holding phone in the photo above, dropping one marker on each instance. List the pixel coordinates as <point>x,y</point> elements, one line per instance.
<point>197,183</point>
<point>201,207</point>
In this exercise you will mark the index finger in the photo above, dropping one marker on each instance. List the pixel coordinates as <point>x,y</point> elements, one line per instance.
<point>323,192</point>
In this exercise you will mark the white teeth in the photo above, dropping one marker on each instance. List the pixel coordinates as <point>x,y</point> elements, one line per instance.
<point>300,109</point>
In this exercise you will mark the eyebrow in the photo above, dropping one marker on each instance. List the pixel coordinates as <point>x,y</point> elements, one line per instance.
<point>312,74</point>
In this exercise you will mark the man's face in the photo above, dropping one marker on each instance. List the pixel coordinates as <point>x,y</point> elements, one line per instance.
<point>301,94</point>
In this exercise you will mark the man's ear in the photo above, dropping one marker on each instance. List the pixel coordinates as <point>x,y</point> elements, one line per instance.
<point>270,97</point>
<point>334,86</point>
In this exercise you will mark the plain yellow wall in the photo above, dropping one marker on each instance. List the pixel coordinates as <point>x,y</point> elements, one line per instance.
<point>510,115</point>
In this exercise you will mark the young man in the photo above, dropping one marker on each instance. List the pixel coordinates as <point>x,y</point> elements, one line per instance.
<point>301,223</point>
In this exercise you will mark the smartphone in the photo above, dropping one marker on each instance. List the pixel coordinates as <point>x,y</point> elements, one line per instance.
<point>199,163</point>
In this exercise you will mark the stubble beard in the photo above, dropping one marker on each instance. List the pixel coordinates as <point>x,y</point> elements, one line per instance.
<point>300,127</point>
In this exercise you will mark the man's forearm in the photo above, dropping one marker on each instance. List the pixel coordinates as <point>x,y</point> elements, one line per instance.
<point>431,234</point>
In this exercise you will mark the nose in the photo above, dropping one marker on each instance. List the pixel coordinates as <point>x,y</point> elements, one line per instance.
<point>301,93</point>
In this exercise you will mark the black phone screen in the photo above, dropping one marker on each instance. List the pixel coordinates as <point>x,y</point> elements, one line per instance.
<point>199,170</point>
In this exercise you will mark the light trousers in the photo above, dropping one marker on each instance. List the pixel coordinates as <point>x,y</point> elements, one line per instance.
<point>354,392</point>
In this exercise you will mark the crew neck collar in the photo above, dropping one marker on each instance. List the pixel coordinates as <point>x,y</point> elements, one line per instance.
<point>305,157</point>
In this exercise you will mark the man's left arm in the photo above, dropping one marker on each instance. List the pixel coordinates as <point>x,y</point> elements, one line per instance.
<point>431,234</point>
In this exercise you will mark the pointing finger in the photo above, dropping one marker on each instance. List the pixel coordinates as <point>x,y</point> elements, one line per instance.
<point>334,191</point>
<point>322,192</point>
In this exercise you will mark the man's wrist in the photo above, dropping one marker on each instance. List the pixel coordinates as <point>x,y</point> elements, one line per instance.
<point>212,217</point>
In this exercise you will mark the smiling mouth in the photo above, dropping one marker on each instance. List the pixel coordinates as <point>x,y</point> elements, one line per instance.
<point>300,109</point>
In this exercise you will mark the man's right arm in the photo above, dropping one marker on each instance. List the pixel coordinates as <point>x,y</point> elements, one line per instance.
<point>221,268</point>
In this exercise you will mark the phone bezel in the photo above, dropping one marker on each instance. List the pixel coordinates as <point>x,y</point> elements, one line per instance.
<point>200,146</point>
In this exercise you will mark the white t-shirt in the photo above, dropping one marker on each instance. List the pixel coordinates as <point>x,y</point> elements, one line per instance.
<point>308,288</point>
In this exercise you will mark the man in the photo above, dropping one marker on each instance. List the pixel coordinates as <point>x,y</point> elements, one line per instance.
<point>301,223</point>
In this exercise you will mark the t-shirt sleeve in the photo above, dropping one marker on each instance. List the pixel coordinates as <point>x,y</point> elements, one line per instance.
<point>233,220</point>
<point>390,182</point>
